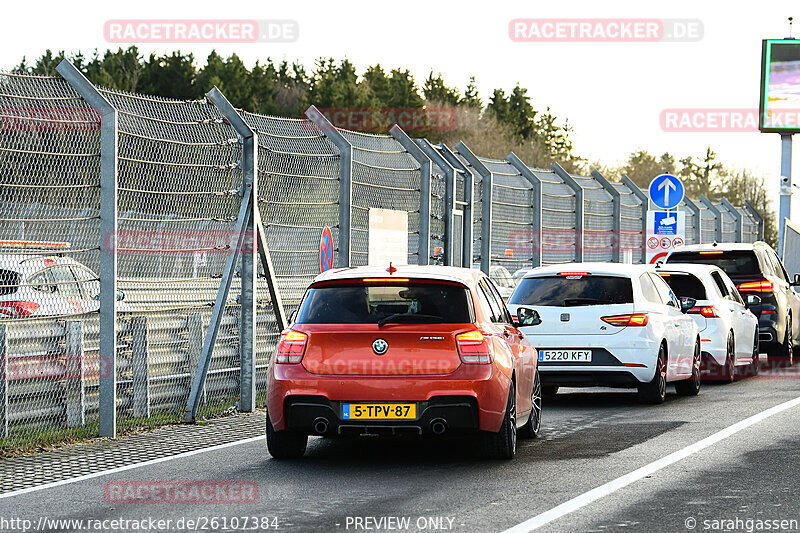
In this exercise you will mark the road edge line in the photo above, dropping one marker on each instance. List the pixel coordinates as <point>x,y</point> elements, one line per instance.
<point>59,483</point>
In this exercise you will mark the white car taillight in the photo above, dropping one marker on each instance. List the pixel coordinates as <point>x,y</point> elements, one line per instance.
<point>633,319</point>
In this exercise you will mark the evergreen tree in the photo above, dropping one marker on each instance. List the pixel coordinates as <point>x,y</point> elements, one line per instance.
<point>435,90</point>
<point>471,98</point>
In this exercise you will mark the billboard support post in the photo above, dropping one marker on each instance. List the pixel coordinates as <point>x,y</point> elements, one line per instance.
<point>773,113</point>
<point>785,211</point>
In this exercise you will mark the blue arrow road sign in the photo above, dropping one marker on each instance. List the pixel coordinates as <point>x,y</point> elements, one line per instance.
<point>666,191</point>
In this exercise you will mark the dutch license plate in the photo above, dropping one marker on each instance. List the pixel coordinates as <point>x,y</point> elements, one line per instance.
<point>379,411</point>
<point>565,356</point>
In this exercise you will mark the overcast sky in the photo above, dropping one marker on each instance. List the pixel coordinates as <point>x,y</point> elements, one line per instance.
<point>612,93</point>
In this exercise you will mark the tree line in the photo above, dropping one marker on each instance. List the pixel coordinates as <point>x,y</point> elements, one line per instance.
<point>507,121</point>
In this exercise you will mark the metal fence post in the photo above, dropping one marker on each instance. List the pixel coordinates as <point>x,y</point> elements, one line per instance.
<point>247,322</point>
<point>466,218</point>
<point>698,215</point>
<point>242,220</point>
<point>195,330</point>
<point>717,217</point>
<point>4,379</point>
<point>345,180</point>
<point>487,179</point>
<point>616,198</point>
<point>140,367</point>
<point>75,389</point>
<point>109,143</point>
<point>759,219</point>
<point>536,183</point>
<point>575,186</point>
<point>737,215</point>
<point>645,207</point>
<point>269,270</point>
<point>424,191</point>
<point>449,196</point>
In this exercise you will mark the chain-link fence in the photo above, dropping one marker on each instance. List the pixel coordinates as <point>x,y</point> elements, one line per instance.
<point>50,199</point>
<point>692,220</point>
<point>512,222</point>
<point>177,183</point>
<point>750,225</point>
<point>708,223</point>
<point>631,227</point>
<point>174,180</point>
<point>384,176</point>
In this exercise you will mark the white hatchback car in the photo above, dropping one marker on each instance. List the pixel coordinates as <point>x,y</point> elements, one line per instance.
<point>606,324</point>
<point>45,285</point>
<point>728,330</point>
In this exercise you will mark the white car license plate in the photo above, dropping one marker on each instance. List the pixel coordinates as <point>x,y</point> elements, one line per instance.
<point>566,356</point>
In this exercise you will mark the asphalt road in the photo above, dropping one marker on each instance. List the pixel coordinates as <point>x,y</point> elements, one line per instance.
<point>589,438</point>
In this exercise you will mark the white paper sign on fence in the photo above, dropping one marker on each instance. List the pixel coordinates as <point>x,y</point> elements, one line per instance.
<point>388,237</point>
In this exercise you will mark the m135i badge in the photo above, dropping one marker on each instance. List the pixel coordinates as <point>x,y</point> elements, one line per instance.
<point>431,338</point>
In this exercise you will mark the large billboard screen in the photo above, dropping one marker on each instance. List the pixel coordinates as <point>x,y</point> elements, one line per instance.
<point>779,108</point>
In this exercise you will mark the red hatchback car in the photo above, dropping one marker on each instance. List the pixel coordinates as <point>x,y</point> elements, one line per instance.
<point>421,350</point>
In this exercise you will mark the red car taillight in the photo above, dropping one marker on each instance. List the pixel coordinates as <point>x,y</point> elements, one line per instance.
<point>756,286</point>
<point>635,319</point>
<point>292,347</point>
<point>473,348</point>
<point>18,308</point>
<point>708,311</point>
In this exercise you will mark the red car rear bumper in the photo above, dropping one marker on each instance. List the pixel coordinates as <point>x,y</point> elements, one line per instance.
<point>484,386</point>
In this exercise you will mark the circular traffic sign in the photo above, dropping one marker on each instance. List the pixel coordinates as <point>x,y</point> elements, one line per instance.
<point>652,242</point>
<point>666,191</point>
<point>666,242</point>
<point>326,250</point>
<point>658,257</point>
<point>677,242</point>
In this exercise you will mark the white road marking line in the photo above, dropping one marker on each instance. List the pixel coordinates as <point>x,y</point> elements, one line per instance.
<point>128,467</point>
<point>623,481</point>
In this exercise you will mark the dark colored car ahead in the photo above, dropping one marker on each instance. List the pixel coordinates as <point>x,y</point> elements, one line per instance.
<point>756,269</point>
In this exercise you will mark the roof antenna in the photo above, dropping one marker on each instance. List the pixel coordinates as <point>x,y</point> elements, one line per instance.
<point>790,26</point>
